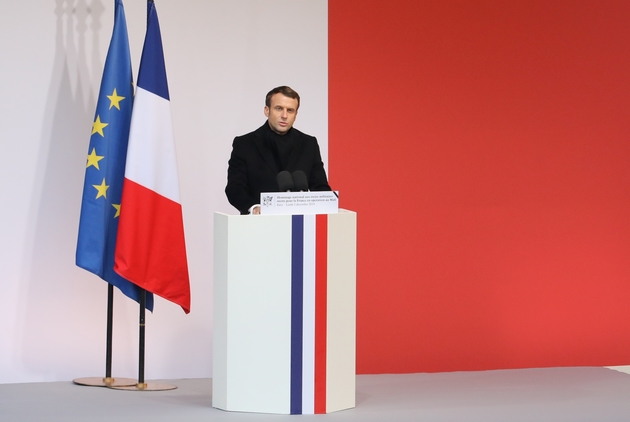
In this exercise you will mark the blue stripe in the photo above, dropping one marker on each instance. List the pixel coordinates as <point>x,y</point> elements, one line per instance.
<point>152,73</point>
<point>297,274</point>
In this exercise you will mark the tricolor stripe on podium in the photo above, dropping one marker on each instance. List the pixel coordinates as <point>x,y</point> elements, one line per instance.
<point>309,267</point>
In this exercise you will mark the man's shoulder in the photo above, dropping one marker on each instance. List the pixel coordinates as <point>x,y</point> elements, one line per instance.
<point>249,140</point>
<point>299,134</point>
<point>251,135</point>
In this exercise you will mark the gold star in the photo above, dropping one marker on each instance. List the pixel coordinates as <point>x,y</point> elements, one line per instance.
<point>93,159</point>
<point>102,190</point>
<point>115,100</point>
<point>117,206</point>
<point>98,126</point>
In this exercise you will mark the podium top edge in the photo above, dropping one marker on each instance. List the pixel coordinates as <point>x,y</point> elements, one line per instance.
<point>341,211</point>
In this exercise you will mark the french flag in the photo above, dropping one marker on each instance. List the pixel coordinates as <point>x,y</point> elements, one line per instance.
<point>151,250</point>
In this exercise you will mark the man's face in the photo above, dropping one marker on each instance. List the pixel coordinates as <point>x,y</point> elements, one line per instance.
<point>282,112</point>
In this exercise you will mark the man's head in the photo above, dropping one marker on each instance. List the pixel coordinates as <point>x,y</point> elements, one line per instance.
<point>281,107</point>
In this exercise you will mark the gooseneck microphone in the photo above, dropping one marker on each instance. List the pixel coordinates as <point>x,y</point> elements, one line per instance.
<point>285,181</point>
<point>299,181</point>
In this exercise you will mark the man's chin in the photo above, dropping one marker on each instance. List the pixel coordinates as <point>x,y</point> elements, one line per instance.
<point>281,130</point>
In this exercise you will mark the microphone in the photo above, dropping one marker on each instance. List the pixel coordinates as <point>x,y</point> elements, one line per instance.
<point>300,182</point>
<point>285,181</point>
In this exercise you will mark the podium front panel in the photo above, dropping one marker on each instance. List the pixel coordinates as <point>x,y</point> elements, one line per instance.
<point>284,313</point>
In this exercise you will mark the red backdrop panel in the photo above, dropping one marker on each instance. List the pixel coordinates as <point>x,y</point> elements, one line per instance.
<point>485,147</point>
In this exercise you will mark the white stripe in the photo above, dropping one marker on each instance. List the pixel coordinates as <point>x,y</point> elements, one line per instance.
<point>308,336</point>
<point>151,159</point>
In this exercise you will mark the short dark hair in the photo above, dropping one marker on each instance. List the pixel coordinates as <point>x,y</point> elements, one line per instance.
<point>284,90</point>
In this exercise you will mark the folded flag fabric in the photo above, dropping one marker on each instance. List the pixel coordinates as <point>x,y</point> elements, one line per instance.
<point>105,169</point>
<point>151,250</point>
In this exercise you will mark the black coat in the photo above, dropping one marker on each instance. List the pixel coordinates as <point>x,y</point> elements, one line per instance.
<point>253,168</point>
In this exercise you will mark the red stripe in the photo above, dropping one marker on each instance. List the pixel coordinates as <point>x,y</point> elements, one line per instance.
<point>321,273</point>
<point>150,249</point>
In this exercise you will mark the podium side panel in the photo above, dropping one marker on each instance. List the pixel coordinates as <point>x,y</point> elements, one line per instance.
<point>259,314</point>
<point>219,312</point>
<point>341,323</point>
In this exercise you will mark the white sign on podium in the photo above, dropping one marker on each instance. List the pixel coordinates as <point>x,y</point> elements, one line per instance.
<point>296,203</point>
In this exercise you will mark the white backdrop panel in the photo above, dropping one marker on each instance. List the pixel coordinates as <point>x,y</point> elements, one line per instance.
<point>221,57</point>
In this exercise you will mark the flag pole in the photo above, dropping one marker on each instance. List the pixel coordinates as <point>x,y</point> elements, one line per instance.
<point>100,208</point>
<point>137,257</point>
<point>142,385</point>
<point>108,380</point>
<point>110,332</point>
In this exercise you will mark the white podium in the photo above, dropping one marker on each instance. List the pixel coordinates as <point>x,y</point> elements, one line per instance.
<point>284,313</point>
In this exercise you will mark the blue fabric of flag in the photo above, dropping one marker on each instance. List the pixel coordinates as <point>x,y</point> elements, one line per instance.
<point>105,169</point>
<point>152,72</point>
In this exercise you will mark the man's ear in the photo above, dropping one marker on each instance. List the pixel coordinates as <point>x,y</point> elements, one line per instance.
<point>266,111</point>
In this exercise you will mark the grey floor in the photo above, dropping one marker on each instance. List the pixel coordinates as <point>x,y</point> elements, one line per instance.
<point>550,394</point>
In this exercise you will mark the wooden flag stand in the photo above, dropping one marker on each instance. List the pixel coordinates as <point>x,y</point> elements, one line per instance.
<point>108,380</point>
<point>141,385</point>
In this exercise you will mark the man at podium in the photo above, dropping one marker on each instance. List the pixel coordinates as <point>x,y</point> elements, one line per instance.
<point>276,146</point>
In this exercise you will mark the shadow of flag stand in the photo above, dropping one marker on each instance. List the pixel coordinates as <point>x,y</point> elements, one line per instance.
<point>104,176</point>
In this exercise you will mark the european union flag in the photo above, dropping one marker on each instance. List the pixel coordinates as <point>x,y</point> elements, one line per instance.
<point>105,169</point>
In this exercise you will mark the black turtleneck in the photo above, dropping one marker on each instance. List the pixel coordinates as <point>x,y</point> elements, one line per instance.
<point>280,145</point>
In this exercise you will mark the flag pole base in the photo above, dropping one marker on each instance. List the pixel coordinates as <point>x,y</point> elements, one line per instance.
<point>145,386</point>
<point>104,382</point>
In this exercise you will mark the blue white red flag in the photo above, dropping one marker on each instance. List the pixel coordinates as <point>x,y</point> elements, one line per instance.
<point>151,250</point>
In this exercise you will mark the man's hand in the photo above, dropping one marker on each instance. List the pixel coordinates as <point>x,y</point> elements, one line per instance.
<point>256,210</point>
